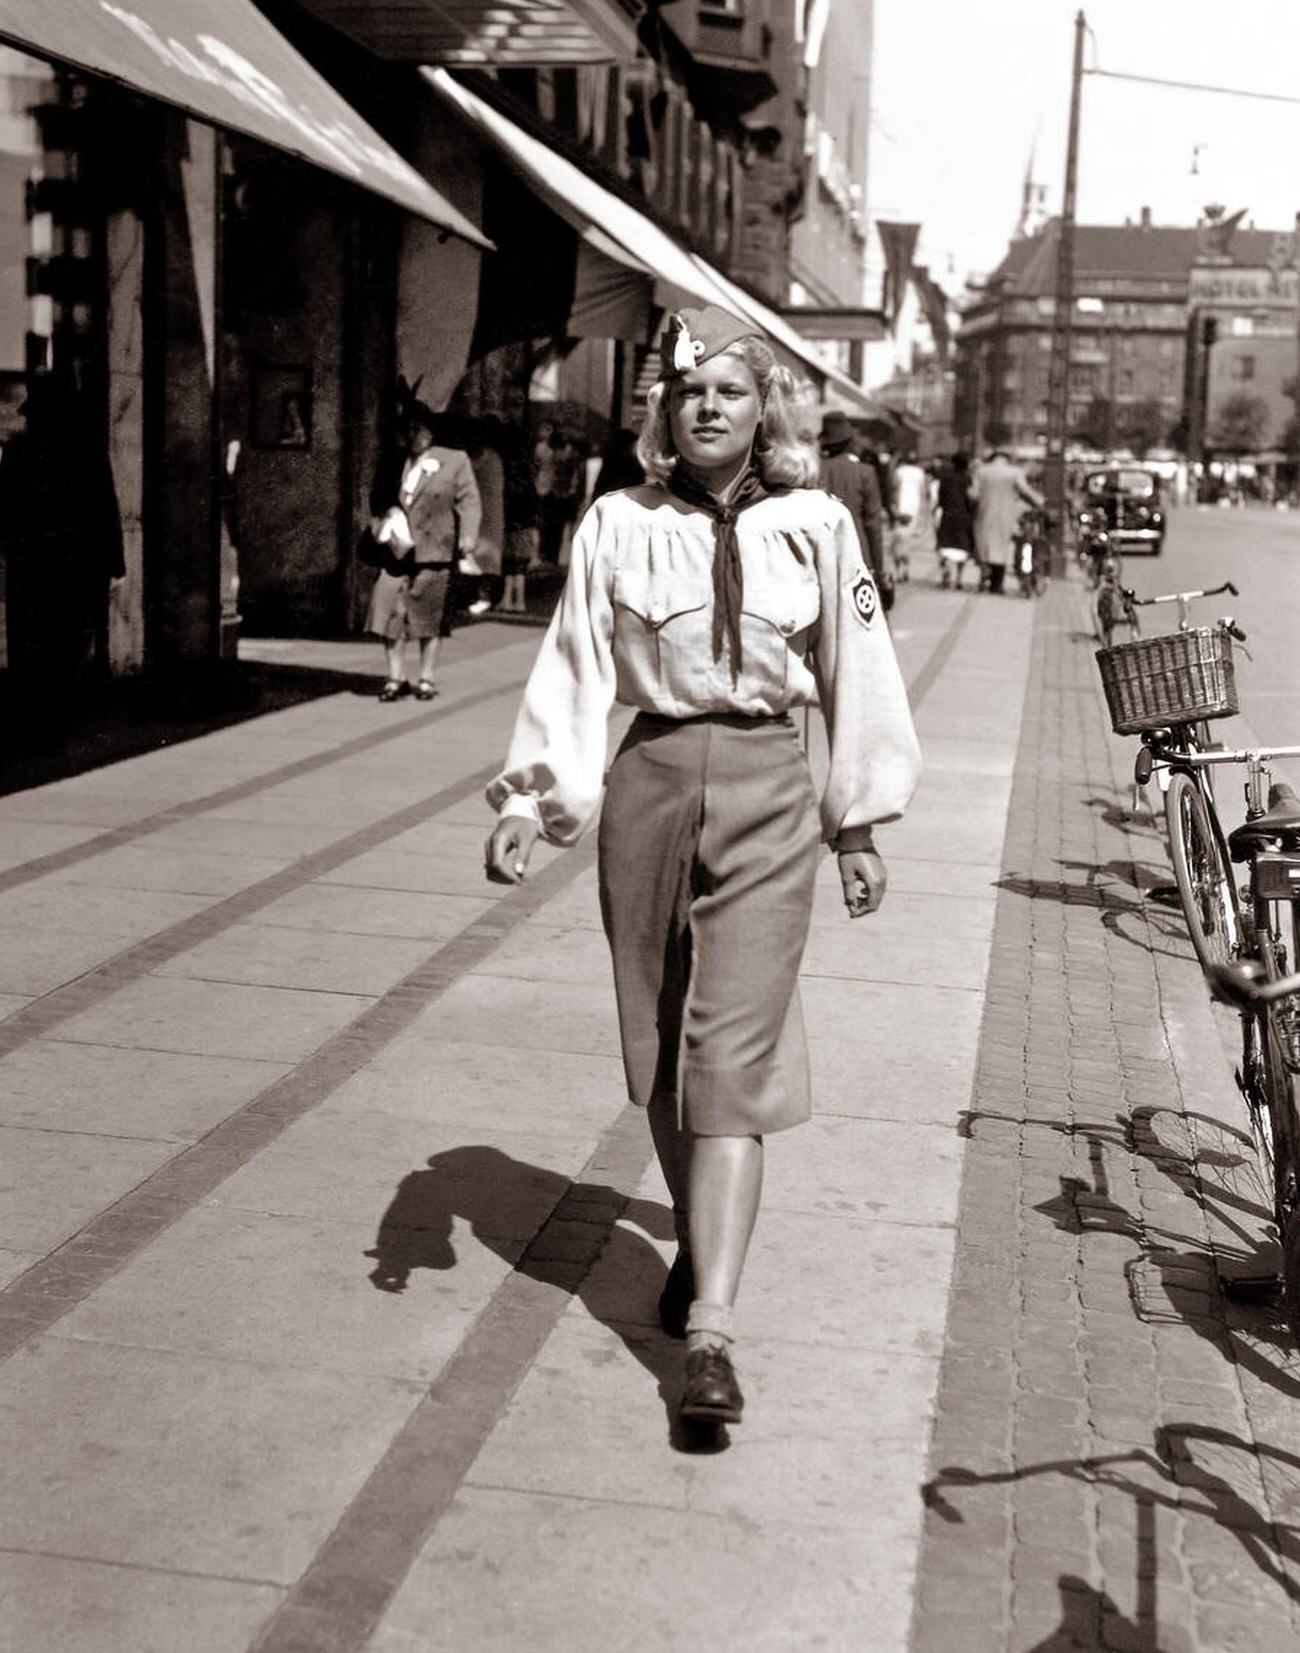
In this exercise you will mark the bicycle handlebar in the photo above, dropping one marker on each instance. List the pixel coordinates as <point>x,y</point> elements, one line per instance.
<point>1196,760</point>
<point>1187,596</point>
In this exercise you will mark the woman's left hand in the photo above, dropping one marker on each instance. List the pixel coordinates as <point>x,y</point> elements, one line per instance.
<point>862,873</point>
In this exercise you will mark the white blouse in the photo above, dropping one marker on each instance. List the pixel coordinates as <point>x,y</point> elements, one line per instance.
<point>635,623</point>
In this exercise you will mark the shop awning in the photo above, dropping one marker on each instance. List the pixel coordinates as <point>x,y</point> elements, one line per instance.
<point>221,61</point>
<point>617,229</point>
<point>498,34</point>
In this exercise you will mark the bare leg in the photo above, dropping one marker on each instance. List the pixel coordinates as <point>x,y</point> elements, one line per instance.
<point>726,1179</point>
<point>428,656</point>
<point>393,651</point>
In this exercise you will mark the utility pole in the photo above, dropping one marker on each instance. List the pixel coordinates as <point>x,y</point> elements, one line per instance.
<point>1058,409</point>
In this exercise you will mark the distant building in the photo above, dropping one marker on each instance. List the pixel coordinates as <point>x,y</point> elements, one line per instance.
<point>1139,313</point>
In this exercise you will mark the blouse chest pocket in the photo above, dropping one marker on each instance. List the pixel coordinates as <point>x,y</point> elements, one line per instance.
<point>662,632</point>
<point>775,620</point>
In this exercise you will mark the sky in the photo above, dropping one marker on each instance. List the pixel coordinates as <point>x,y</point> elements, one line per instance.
<point>962,94</point>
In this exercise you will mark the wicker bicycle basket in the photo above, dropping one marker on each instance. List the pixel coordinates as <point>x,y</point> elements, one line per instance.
<point>1178,678</point>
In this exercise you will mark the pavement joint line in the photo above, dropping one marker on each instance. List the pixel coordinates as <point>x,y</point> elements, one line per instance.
<point>37,1019</point>
<point>36,1300</point>
<point>117,1565</point>
<point>117,837</point>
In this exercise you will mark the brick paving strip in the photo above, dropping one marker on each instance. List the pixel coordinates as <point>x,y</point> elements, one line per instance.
<point>1116,1454</point>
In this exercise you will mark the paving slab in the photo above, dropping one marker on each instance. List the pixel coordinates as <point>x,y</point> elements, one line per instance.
<point>523,1014</point>
<point>459,1083</point>
<point>326,1293</point>
<point>265,955</point>
<point>49,1601</point>
<point>13,1263</point>
<point>54,1181</point>
<point>145,866</point>
<point>107,1090</point>
<point>231,1469</point>
<point>846,1167</point>
<point>208,1018</point>
<point>23,840</point>
<point>499,1575</point>
<point>382,1170</point>
<point>348,910</point>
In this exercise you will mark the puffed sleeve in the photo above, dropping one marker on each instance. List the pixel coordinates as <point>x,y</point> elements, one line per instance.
<point>875,758</point>
<point>555,767</point>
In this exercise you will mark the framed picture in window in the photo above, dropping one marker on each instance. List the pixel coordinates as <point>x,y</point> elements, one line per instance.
<point>282,406</point>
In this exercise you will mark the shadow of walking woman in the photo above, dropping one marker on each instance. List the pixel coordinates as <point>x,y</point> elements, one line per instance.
<point>549,1229</point>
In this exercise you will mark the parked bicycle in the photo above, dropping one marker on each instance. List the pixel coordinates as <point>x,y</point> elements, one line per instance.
<point>1264,986</point>
<point>1166,690</point>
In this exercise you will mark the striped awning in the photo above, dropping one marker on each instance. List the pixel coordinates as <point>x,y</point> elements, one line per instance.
<point>221,61</point>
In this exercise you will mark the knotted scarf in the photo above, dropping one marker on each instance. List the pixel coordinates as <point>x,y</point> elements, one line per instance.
<point>728,574</point>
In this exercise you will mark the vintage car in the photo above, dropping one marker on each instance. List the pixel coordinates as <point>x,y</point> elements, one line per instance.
<point>1123,503</point>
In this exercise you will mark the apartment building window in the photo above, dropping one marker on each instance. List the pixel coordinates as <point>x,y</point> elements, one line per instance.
<point>1242,367</point>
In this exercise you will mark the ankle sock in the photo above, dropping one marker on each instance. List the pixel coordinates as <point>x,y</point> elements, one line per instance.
<point>708,1326</point>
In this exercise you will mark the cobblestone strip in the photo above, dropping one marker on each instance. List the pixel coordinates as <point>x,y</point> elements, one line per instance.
<point>1094,1480</point>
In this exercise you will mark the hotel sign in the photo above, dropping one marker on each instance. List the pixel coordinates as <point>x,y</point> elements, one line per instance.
<point>1226,285</point>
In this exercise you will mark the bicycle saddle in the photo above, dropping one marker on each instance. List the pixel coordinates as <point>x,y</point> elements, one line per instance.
<point>1281,818</point>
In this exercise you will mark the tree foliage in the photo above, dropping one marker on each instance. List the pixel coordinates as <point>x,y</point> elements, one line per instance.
<point>1240,424</point>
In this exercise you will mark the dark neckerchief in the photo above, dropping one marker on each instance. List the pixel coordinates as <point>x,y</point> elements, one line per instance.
<point>728,574</point>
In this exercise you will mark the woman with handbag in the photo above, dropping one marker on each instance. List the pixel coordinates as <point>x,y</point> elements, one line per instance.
<point>713,599</point>
<point>418,538</point>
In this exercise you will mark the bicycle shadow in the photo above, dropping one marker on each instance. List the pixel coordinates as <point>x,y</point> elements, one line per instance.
<point>1180,1276</point>
<point>1191,1471</point>
<point>573,1225</point>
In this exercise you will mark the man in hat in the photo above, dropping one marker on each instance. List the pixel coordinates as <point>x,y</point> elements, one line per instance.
<point>854,484</point>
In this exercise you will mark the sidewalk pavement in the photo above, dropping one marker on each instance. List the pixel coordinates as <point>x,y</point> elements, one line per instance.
<point>332,1247</point>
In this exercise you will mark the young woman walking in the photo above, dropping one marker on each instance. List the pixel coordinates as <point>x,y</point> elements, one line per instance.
<point>713,599</point>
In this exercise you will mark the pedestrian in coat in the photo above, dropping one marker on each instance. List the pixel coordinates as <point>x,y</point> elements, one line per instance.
<point>956,513</point>
<point>1001,491</point>
<point>854,484</point>
<point>713,599</point>
<point>913,517</point>
<point>429,522</point>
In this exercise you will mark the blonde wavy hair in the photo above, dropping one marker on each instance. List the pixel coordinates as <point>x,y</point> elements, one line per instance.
<point>782,459</point>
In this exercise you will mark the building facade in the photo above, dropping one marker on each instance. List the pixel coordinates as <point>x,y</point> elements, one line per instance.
<point>1134,319</point>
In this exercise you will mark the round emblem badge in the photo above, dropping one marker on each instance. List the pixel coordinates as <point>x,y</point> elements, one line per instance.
<point>865,600</point>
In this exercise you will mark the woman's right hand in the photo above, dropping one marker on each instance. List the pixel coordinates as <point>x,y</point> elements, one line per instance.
<point>507,851</point>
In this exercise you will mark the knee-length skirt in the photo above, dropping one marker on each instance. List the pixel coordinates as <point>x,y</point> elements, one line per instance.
<point>409,605</point>
<point>709,839</point>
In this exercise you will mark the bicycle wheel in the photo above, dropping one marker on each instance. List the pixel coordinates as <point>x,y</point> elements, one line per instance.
<point>1202,873</point>
<point>1279,1089</point>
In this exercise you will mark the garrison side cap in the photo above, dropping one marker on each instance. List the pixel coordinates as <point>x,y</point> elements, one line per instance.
<point>691,337</point>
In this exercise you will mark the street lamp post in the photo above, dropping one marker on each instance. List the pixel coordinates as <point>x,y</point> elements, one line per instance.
<point>1058,402</point>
